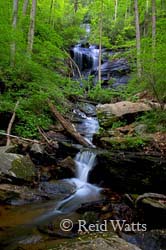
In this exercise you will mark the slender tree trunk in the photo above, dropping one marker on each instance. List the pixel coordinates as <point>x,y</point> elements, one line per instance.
<point>153,26</point>
<point>116,9</point>
<point>75,5</point>
<point>146,18</point>
<point>138,38</point>
<point>25,7</point>
<point>153,80</point>
<point>14,26</point>
<point>100,42</point>
<point>126,12</point>
<point>51,8</point>
<point>147,5</point>
<point>32,26</point>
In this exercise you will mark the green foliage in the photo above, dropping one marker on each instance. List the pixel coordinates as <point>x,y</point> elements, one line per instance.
<point>44,75</point>
<point>155,120</point>
<point>118,124</point>
<point>105,95</point>
<point>126,142</point>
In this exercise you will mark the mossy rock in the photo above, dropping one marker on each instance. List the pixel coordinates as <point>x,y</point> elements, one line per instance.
<point>125,143</point>
<point>23,168</point>
<point>106,120</point>
<point>16,166</point>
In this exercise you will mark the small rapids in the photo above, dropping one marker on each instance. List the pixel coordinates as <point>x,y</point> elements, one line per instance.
<point>85,160</point>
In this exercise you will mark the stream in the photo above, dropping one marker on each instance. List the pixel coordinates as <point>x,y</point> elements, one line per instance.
<point>26,218</point>
<point>20,223</point>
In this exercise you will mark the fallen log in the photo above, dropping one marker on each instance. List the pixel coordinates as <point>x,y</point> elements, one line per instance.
<point>150,195</point>
<point>20,138</point>
<point>68,126</point>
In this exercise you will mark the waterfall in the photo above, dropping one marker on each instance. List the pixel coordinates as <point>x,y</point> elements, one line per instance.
<point>85,161</point>
<point>86,57</point>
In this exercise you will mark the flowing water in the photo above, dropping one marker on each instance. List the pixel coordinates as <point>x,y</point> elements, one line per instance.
<point>87,58</point>
<point>85,161</point>
<point>42,214</point>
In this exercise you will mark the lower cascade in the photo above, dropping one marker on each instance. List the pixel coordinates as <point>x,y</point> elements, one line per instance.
<point>85,160</point>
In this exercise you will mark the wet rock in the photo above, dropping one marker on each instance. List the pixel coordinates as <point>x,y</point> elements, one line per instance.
<point>120,80</point>
<point>30,240</point>
<point>68,167</point>
<point>130,172</point>
<point>154,209</point>
<point>87,108</point>
<point>60,187</point>
<point>109,113</point>
<point>78,116</point>
<point>111,243</point>
<point>43,154</point>
<point>115,68</point>
<point>153,239</point>
<point>17,166</point>
<point>17,195</point>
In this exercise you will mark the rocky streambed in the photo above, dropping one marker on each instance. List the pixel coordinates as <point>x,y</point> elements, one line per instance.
<point>131,181</point>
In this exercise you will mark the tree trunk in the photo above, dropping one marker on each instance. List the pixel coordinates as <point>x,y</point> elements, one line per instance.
<point>32,26</point>
<point>11,124</point>
<point>75,6</point>
<point>146,21</point>
<point>153,27</point>
<point>153,80</point>
<point>116,9</point>
<point>138,39</point>
<point>100,42</point>
<point>14,26</point>
<point>147,5</point>
<point>51,8</point>
<point>25,6</point>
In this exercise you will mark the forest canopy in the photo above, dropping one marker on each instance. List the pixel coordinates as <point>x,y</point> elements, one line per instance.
<point>35,41</point>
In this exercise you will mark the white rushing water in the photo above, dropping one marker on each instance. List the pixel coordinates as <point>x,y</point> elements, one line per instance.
<point>85,161</point>
<point>87,58</point>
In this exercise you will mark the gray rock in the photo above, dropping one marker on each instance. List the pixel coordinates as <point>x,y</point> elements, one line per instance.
<point>153,239</point>
<point>109,113</point>
<point>87,108</point>
<point>37,148</point>
<point>112,243</point>
<point>58,187</point>
<point>16,165</point>
<point>68,165</point>
<point>131,172</point>
<point>19,195</point>
<point>141,129</point>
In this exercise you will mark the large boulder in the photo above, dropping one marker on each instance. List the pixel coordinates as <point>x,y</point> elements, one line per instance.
<point>109,113</point>
<point>132,172</point>
<point>19,195</point>
<point>153,239</point>
<point>112,243</point>
<point>16,166</point>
